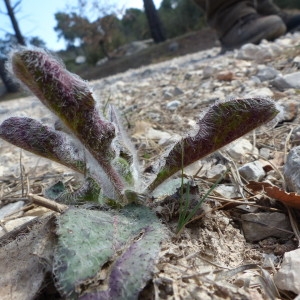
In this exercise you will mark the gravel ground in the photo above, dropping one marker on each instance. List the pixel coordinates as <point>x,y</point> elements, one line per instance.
<point>212,258</point>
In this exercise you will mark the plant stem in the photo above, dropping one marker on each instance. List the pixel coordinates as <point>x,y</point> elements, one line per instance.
<point>187,218</point>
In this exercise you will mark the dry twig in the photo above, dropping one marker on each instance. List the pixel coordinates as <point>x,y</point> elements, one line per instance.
<point>47,203</point>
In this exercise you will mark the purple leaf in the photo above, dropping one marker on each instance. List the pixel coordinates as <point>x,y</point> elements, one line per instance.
<point>69,97</point>
<point>223,123</point>
<point>42,140</point>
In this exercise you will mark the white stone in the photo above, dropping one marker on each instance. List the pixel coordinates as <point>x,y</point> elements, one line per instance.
<point>208,71</point>
<point>12,224</point>
<point>275,48</point>
<point>296,60</point>
<point>266,73</point>
<point>163,138</point>
<point>254,52</point>
<point>247,51</point>
<point>172,105</point>
<point>252,171</point>
<point>265,152</point>
<point>135,46</point>
<point>291,170</point>
<point>216,171</point>
<point>241,149</point>
<point>167,95</point>
<point>287,278</point>
<point>226,191</point>
<point>285,41</point>
<point>287,81</point>
<point>154,134</point>
<point>262,92</point>
<point>293,80</point>
<point>80,60</point>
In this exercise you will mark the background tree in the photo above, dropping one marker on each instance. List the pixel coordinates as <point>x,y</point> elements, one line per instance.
<point>71,27</point>
<point>180,16</point>
<point>10,86</point>
<point>15,25</point>
<point>91,29</point>
<point>155,25</point>
<point>11,40</point>
<point>288,3</point>
<point>135,25</point>
<point>94,39</point>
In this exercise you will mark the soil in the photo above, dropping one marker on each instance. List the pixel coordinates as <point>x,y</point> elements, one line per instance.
<point>188,43</point>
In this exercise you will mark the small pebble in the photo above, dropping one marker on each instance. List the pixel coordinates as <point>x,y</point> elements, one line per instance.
<point>173,105</point>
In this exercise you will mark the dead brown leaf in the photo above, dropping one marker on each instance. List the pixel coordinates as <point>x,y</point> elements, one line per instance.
<point>25,260</point>
<point>272,191</point>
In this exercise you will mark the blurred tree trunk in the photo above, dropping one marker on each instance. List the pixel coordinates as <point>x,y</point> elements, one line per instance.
<point>15,25</point>
<point>155,25</point>
<point>11,87</point>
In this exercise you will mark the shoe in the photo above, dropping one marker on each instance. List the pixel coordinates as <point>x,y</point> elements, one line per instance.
<point>252,29</point>
<point>291,21</point>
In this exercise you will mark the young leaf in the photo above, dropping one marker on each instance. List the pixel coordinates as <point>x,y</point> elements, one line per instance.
<point>42,140</point>
<point>223,123</point>
<point>69,97</point>
<point>125,148</point>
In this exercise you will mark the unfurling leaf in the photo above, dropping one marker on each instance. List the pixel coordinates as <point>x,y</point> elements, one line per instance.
<point>223,123</point>
<point>69,97</point>
<point>35,137</point>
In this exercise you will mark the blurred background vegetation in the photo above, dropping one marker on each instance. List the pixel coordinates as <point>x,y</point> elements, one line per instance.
<point>288,3</point>
<point>101,38</point>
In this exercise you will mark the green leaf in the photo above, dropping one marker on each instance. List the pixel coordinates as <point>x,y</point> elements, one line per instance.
<point>89,239</point>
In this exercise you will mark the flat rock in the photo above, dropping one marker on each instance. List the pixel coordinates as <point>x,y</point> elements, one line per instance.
<point>255,52</point>
<point>226,191</point>
<point>12,224</point>
<point>280,83</point>
<point>287,278</point>
<point>252,171</point>
<point>293,79</point>
<point>267,73</point>
<point>287,81</point>
<point>291,170</point>
<point>10,209</point>
<point>289,109</point>
<point>259,226</point>
<point>172,105</point>
<point>241,149</point>
<point>296,61</point>
<point>261,92</point>
<point>215,171</point>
